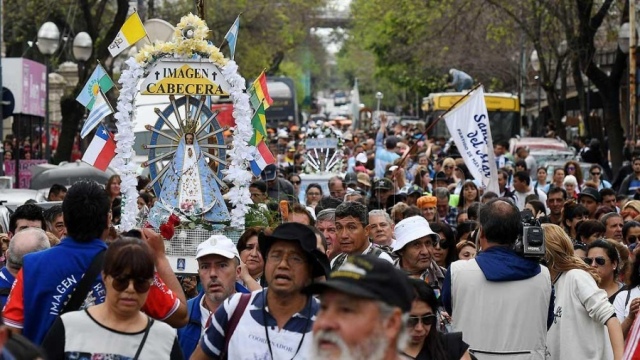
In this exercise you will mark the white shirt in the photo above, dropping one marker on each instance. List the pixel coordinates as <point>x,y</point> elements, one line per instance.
<point>622,309</point>
<point>204,315</point>
<point>520,197</point>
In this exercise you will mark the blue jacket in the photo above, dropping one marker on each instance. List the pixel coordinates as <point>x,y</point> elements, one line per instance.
<point>189,335</point>
<point>6,282</point>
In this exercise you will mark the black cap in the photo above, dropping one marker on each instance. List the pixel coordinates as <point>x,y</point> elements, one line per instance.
<point>269,173</point>
<point>383,184</point>
<point>369,277</point>
<point>305,237</point>
<point>592,193</point>
<point>351,178</point>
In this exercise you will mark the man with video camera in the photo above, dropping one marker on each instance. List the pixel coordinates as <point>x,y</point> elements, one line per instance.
<point>501,300</point>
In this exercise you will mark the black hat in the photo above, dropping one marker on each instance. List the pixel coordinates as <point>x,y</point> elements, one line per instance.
<point>592,193</point>
<point>305,237</point>
<point>441,176</point>
<point>369,277</point>
<point>383,184</point>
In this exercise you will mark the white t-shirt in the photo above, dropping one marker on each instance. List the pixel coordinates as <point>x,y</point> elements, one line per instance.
<point>520,197</point>
<point>622,309</point>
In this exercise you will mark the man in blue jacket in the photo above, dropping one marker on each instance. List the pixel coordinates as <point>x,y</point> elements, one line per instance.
<point>218,269</point>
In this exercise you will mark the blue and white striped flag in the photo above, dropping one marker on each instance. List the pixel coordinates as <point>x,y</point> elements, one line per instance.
<point>232,36</point>
<point>100,109</point>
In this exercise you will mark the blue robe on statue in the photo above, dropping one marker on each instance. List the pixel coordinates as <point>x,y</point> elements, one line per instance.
<point>189,180</point>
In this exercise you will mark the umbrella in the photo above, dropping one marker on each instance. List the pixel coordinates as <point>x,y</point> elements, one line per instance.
<point>69,173</point>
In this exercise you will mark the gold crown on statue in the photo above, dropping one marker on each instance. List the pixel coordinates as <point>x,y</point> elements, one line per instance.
<point>190,126</point>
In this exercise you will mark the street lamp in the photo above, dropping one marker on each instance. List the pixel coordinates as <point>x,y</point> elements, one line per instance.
<point>535,64</point>
<point>48,42</point>
<point>82,47</point>
<point>379,96</point>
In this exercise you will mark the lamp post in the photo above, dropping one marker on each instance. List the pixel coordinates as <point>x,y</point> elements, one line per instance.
<point>82,49</point>
<point>379,97</point>
<point>48,42</point>
<point>627,44</point>
<point>535,64</point>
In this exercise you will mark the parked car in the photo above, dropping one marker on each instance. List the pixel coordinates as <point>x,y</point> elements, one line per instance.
<point>340,98</point>
<point>543,149</point>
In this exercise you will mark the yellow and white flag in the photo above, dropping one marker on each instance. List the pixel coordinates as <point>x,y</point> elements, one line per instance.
<point>130,33</point>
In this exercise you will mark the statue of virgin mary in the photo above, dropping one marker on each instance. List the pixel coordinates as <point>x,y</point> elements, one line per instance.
<point>189,185</point>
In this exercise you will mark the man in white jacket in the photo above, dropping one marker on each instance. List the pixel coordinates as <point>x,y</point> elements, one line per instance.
<point>500,301</point>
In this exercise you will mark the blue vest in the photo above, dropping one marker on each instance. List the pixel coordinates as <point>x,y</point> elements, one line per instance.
<point>50,276</point>
<point>6,282</point>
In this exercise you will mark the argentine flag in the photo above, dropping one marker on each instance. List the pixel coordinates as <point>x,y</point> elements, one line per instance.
<point>232,36</point>
<point>101,108</point>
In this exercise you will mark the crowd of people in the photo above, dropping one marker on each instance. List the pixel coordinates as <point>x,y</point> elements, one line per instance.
<point>405,256</point>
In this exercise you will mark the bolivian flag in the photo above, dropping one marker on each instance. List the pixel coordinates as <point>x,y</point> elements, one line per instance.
<point>130,33</point>
<point>260,92</point>
<point>259,124</point>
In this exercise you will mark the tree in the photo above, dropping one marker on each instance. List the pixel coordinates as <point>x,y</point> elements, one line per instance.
<point>100,19</point>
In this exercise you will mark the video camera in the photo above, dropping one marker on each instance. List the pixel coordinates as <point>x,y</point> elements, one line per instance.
<point>530,243</point>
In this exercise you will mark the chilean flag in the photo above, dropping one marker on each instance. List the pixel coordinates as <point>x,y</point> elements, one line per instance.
<point>101,150</point>
<point>263,158</point>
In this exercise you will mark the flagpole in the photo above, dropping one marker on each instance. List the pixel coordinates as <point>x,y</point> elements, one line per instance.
<point>415,144</point>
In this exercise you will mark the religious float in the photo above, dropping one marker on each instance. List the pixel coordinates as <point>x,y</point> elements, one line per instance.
<point>324,157</point>
<point>190,160</point>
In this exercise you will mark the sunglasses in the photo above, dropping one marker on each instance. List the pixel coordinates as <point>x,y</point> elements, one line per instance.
<point>571,168</point>
<point>426,320</point>
<point>296,182</point>
<point>448,167</point>
<point>632,239</point>
<point>122,283</point>
<point>600,260</point>
<point>595,173</point>
<point>443,243</point>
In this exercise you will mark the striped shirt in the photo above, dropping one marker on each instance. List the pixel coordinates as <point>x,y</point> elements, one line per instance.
<point>249,340</point>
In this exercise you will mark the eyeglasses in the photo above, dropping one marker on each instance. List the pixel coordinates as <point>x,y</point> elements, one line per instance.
<point>296,182</point>
<point>443,243</point>
<point>426,320</point>
<point>595,173</point>
<point>600,260</point>
<point>121,283</point>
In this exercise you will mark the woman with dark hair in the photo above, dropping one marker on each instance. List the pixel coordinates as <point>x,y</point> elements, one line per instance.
<point>116,328</point>
<point>627,302</point>
<point>295,180</point>
<point>463,175</point>
<point>250,257</point>
<point>313,194</point>
<point>541,180</point>
<point>631,232</point>
<point>572,167</point>
<point>603,256</point>
<point>113,187</point>
<point>468,195</point>
<point>587,231</point>
<point>572,213</point>
<point>425,342</point>
<point>464,229</point>
<point>423,179</point>
<point>444,251</point>
<point>595,176</point>
<point>537,208</point>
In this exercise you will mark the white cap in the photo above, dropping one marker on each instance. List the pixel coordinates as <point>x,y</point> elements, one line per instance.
<point>217,245</point>
<point>411,229</point>
<point>362,157</point>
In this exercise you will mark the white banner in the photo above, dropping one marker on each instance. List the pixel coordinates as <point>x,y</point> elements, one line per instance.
<point>469,127</point>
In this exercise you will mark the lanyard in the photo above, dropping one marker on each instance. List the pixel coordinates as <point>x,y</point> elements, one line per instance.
<point>266,328</point>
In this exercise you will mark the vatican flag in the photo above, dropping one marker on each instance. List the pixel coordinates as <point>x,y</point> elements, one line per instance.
<point>130,33</point>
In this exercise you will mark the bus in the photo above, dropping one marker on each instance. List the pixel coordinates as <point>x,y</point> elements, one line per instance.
<point>503,109</point>
<point>284,110</point>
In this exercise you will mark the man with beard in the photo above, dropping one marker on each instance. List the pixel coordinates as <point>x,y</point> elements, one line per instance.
<point>273,322</point>
<point>218,269</point>
<point>414,246</point>
<point>364,311</point>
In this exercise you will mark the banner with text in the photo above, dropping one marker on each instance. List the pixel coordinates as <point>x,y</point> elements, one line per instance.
<point>469,127</point>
